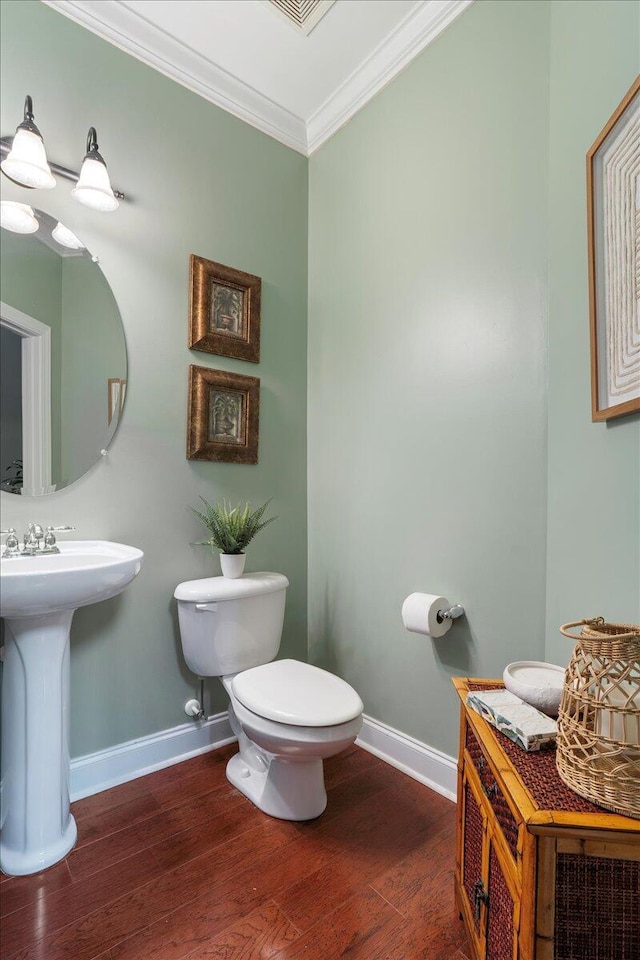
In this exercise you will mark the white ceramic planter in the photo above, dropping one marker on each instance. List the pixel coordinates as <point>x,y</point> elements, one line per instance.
<point>232,565</point>
<point>537,683</point>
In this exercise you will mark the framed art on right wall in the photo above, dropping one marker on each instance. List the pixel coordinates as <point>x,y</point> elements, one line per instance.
<point>613,213</point>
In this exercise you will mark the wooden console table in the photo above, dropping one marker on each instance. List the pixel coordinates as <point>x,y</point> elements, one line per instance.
<point>541,874</point>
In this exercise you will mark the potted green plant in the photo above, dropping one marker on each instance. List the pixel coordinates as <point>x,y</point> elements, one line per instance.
<point>232,529</point>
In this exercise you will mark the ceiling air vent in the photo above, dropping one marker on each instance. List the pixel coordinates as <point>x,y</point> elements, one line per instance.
<point>302,14</point>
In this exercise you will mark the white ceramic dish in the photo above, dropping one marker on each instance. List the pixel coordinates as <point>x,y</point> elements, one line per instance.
<point>537,683</point>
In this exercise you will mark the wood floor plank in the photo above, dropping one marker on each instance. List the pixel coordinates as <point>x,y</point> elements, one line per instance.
<point>372,827</point>
<point>348,792</point>
<point>222,812</point>
<point>198,838</point>
<point>258,936</point>
<point>103,886</point>
<point>352,930</point>
<point>210,767</point>
<point>59,908</point>
<point>212,764</point>
<point>418,941</point>
<point>174,935</point>
<point>94,824</point>
<point>423,794</point>
<point>410,884</point>
<point>108,799</point>
<point>122,919</point>
<point>364,844</point>
<point>420,887</point>
<point>228,897</point>
<point>97,826</point>
<point>348,764</point>
<point>18,892</point>
<point>210,891</point>
<point>313,897</point>
<point>194,783</point>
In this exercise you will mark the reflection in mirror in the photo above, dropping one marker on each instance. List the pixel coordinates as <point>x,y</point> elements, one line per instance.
<point>63,358</point>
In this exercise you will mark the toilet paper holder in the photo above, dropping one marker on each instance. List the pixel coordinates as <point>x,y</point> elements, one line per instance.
<point>451,614</point>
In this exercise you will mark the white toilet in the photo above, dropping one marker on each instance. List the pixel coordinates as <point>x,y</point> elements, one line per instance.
<point>287,715</point>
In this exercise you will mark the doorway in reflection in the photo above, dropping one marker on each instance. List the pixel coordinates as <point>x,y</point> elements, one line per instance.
<point>10,409</point>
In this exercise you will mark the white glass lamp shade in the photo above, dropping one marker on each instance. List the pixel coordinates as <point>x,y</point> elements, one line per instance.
<point>66,238</point>
<point>17,217</point>
<point>94,188</point>
<point>26,162</point>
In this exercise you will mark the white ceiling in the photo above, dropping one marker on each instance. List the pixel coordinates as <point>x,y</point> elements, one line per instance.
<point>245,57</point>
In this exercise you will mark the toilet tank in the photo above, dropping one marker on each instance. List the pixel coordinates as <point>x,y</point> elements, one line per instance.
<point>230,625</point>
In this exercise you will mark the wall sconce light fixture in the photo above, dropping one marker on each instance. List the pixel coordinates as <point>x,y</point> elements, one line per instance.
<point>26,164</point>
<point>94,187</point>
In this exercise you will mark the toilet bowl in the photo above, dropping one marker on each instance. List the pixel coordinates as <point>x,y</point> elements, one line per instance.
<point>287,715</point>
<point>279,765</point>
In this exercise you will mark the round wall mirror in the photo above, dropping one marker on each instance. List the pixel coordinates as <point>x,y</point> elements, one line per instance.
<point>63,355</point>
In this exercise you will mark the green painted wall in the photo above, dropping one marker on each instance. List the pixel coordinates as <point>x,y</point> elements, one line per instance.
<point>200,181</point>
<point>427,368</point>
<point>593,558</point>
<point>31,281</point>
<point>448,320</point>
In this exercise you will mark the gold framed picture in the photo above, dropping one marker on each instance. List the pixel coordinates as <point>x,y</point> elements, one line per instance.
<point>613,215</point>
<point>223,417</point>
<point>224,310</point>
<point>116,390</point>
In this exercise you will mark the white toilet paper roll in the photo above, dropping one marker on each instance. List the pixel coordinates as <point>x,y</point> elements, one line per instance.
<point>420,614</point>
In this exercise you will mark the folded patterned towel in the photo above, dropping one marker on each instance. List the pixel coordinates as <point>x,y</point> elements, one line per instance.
<point>518,720</point>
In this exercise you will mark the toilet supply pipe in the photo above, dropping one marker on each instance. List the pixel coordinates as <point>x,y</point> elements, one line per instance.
<point>195,708</point>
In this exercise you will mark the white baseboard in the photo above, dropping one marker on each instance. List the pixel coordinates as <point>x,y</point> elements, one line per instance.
<point>424,763</point>
<point>127,761</point>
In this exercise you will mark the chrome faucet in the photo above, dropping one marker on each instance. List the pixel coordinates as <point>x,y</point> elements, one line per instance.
<point>32,539</point>
<point>11,547</point>
<point>35,542</point>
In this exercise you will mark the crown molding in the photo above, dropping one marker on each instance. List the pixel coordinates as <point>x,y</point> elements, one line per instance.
<point>133,33</point>
<point>143,40</point>
<point>413,34</point>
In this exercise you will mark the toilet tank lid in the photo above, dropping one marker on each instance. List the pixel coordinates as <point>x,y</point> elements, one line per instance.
<point>296,693</point>
<point>223,588</point>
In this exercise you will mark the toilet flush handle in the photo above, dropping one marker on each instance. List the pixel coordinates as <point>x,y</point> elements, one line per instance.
<point>206,607</point>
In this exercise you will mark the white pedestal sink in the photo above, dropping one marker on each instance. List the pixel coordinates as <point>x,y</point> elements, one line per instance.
<point>37,599</point>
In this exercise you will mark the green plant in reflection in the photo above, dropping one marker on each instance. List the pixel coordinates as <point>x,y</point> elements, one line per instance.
<point>15,482</point>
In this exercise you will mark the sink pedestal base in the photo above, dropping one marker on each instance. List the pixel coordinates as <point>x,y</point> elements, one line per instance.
<point>37,827</point>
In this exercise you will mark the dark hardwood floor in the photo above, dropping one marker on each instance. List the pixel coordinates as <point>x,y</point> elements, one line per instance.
<point>179,866</point>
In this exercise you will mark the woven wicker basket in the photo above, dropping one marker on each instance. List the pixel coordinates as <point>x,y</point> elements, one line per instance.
<point>598,752</point>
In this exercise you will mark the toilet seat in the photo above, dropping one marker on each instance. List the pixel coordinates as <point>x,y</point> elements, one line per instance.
<point>297,694</point>
<point>294,741</point>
